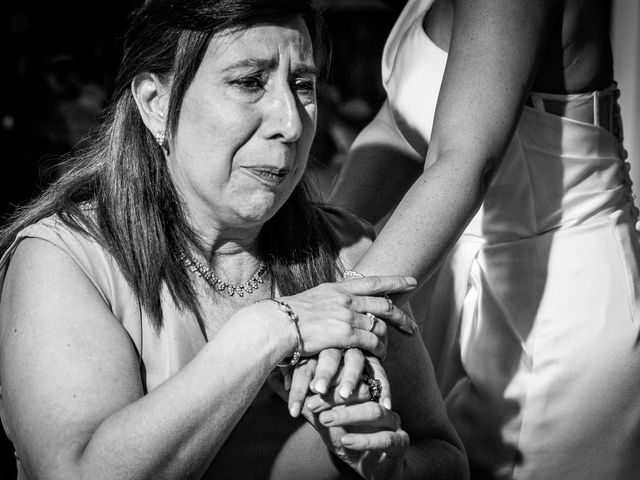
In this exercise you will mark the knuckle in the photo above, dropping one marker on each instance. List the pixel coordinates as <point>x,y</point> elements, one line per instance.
<point>347,316</point>
<point>342,414</point>
<point>330,355</point>
<point>343,299</point>
<point>374,410</point>
<point>388,440</point>
<point>363,442</point>
<point>347,328</point>
<point>373,283</point>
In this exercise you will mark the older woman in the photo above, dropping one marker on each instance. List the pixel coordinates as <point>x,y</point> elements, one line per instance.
<point>148,295</point>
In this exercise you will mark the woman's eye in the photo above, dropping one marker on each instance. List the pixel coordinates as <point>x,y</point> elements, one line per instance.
<point>305,86</point>
<point>251,84</point>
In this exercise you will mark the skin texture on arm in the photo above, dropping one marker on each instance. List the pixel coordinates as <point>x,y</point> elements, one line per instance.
<point>436,450</point>
<point>494,52</point>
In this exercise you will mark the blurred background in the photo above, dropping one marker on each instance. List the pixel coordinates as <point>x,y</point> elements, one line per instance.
<point>58,59</point>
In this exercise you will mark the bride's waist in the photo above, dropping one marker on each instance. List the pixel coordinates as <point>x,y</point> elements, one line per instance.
<point>507,215</point>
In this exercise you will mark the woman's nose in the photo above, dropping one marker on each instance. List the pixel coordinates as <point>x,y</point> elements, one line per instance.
<point>284,119</point>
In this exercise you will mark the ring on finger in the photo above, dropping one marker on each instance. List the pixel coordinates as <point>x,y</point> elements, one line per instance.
<point>375,387</point>
<point>374,320</point>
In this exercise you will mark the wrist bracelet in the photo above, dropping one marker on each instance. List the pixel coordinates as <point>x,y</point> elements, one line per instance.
<point>352,274</point>
<point>284,306</point>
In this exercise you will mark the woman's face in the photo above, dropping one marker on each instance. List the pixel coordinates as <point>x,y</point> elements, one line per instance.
<point>246,126</point>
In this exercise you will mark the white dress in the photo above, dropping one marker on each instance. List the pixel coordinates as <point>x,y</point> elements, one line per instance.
<point>533,320</point>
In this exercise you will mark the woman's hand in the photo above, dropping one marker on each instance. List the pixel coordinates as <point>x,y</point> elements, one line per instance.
<point>347,314</point>
<point>365,434</point>
<point>317,374</point>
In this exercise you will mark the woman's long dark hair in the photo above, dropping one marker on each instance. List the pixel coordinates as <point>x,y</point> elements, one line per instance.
<point>118,190</point>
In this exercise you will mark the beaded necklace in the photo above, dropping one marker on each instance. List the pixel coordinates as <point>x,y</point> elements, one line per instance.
<point>220,285</point>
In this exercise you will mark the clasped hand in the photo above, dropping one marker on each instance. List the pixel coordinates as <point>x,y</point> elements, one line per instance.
<point>366,434</point>
<point>328,389</point>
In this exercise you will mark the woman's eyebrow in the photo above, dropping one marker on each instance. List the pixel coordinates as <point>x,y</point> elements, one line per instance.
<point>270,64</point>
<point>253,63</point>
<point>311,70</point>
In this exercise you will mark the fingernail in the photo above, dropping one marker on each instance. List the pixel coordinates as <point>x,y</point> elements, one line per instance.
<point>346,390</point>
<point>386,402</point>
<point>294,410</point>
<point>411,281</point>
<point>414,327</point>
<point>347,440</point>
<point>326,418</point>
<point>320,386</point>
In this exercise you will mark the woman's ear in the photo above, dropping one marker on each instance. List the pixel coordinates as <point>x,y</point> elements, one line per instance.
<point>152,98</point>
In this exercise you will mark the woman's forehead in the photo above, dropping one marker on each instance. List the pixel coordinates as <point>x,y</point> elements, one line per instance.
<point>262,45</point>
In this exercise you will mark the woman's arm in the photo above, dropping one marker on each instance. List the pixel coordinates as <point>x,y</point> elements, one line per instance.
<point>436,450</point>
<point>72,387</point>
<point>71,381</point>
<point>494,51</point>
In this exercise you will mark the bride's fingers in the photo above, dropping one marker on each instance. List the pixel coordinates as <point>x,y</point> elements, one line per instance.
<point>301,377</point>
<point>326,369</point>
<point>320,403</point>
<point>361,394</point>
<point>353,365</point>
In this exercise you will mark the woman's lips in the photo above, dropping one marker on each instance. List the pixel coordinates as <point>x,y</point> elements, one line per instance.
<point>268,175</point>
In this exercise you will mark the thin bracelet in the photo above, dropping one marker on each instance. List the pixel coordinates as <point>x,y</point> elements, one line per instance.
<point>352,274</point>
<point>284,306</point>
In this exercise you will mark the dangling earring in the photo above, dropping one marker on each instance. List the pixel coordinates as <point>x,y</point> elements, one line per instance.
<point>161,140</point>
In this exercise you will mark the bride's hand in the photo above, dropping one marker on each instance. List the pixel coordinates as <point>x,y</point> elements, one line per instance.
<point>346,369</point>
